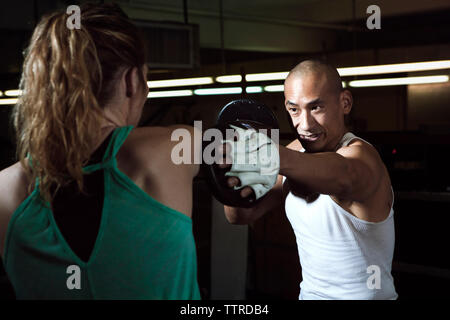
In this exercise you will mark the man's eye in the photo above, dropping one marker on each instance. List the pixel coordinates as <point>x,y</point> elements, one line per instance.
<point>316,107</point>
<point>293,110</point>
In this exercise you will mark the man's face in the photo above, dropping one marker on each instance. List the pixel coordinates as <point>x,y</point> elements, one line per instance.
<point>316,110</point>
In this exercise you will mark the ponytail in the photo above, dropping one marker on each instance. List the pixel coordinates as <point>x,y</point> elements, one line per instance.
<point>67,78</point>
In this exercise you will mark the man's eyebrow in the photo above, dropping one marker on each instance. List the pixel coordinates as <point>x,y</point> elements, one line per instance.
<point>310,103</point>
<point>290,103</point>
<point>314,102</point>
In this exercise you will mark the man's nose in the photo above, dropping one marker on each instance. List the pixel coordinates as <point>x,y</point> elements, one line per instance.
<point>304,122</point>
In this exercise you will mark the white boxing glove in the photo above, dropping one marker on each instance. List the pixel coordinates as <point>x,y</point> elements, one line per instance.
<point>255,160</point>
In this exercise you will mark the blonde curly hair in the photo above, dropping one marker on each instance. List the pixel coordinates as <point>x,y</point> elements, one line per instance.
<point>68,76</point>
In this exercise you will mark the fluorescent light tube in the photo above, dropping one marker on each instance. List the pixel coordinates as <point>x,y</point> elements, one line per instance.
<point>8,101</point>
<point>266,76</point>
<point>394,68</point>
<point>13,93</point>
<point>212,91</point>
<point>398,81</point>
<point>179,82</point>
<point>274,88</point>
<point>229,79</point>
<point>169,93</point>
<point>254,89</point>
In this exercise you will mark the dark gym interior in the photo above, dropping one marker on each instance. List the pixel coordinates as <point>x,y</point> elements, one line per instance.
<point>409,124</point>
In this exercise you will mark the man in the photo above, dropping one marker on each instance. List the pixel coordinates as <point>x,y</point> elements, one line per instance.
<point>336,190</point>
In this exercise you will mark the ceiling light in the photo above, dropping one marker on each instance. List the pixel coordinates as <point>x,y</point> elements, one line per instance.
<point>254,89</point>
<point>13,93</point>
<point>266,76</point>
<point>394,68</point>
<point>274,88</point>
<point>170,93</point>
<point>8,101</point>
<point>398,81</point>
<point>229,79</point>
<point>179,82</point>
<point>211,91</point>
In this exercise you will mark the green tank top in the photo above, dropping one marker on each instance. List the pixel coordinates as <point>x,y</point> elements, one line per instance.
<point>143,250</point>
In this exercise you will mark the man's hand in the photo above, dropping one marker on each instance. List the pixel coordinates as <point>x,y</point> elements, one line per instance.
<point>232,181</point>
<point>254,161</point>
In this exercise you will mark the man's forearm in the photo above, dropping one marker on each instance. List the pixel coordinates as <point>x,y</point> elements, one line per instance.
<point>325,172</point>
<point>239,215</point>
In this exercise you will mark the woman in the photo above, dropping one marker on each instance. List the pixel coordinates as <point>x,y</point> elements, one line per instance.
<point>94,208</point>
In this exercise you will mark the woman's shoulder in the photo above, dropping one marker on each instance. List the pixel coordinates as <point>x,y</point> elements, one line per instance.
<point>13,191</point>
<point>145,140</point>
<point>158,134</point>
<point>13,185</point>
<point>147,145</point>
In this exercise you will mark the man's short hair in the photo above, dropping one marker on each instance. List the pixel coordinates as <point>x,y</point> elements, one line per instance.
<point>317,66</point>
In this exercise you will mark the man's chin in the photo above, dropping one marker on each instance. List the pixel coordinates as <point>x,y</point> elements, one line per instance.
<point>312,146</point>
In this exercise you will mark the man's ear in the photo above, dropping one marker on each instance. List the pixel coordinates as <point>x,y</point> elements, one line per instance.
<point>346,101</point>
<point>131,81</point>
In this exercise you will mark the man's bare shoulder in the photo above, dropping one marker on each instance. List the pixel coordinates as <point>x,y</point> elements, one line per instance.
<point>364,151</point>
<point>376,206</point>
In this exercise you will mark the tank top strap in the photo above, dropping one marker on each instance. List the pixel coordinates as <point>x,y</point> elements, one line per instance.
<point>347,138</point>
<point>118,137</point>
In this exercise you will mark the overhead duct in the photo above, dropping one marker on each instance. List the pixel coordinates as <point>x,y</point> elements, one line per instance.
<point>171,45</point>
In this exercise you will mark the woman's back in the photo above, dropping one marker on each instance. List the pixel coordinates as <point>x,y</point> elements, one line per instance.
<point>129,235</point>
<point>144,249</point>
<point>146,157</point>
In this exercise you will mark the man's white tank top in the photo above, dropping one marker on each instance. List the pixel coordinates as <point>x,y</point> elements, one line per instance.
<point>342,256</point>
